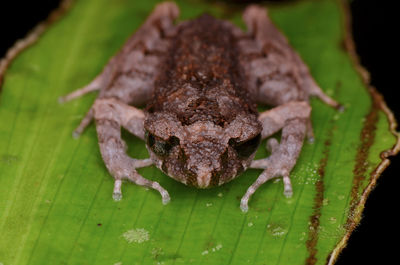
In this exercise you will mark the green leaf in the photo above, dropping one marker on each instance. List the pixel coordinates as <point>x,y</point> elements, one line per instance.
<point>55,192</point>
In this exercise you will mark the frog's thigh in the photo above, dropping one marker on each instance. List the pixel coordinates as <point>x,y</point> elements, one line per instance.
<point>160,22</point>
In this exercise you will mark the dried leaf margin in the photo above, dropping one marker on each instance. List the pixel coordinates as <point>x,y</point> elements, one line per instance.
<point>377,100</point>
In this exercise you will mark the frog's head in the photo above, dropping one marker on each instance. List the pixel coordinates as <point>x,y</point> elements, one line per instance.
<point>202,154</point>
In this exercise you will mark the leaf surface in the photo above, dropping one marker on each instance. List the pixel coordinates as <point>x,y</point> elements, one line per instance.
<point>55,192</point>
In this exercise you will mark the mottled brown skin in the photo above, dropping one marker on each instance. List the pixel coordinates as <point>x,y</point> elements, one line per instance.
<point>202,87</point>
<point>201,80</point>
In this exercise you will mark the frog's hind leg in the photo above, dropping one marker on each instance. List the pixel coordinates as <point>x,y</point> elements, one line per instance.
<point>130,74</point>
<point>283,74</point>
<point>110,115</point>
<point>292,118</point>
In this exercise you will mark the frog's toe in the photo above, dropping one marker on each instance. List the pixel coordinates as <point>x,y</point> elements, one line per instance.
<point>117,194</point>
<point>287,190</point>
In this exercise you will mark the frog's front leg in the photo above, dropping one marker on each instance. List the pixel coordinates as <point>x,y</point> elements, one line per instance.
<point>292,118</point>
<point>110,115</point>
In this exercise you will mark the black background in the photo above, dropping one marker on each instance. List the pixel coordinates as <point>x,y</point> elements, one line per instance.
<point>374,29</point>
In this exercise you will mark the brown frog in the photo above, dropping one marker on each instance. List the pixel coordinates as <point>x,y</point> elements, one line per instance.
<point>202,80</point>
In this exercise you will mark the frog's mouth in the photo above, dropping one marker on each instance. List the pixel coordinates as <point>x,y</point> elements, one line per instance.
<point>202,175</point>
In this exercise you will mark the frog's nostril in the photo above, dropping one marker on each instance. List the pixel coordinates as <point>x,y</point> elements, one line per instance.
<point>203,178</point>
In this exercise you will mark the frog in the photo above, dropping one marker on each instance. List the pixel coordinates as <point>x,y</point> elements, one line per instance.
<point>200,82</point>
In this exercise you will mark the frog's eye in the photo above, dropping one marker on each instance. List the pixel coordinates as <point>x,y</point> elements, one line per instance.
<point>246,148</point>
<point>161,147</point>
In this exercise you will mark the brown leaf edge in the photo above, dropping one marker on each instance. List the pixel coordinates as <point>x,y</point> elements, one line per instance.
<point>378,102</point>
<point>355,214</point>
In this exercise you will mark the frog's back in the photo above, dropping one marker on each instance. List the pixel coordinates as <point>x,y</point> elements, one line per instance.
<point>202,78</point>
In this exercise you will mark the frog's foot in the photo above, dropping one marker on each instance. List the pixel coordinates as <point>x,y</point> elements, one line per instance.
<point>135,177</point>
<point>125,168</point>
<point>283,158</point>
<point>117,194</point>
